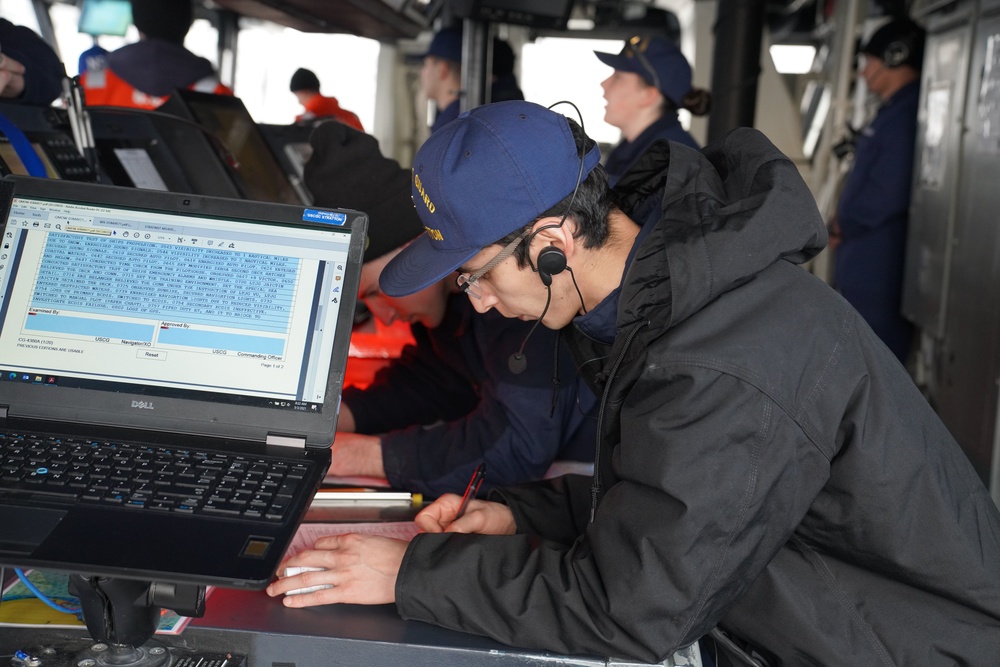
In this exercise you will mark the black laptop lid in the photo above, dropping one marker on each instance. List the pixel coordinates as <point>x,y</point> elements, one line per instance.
<point>175,312</point>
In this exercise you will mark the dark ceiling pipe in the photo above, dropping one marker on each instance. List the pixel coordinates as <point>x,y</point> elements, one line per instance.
<point>739,28</point>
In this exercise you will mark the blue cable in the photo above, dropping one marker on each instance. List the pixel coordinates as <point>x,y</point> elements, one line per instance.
<point>23,148</point>
<point>41,596</point>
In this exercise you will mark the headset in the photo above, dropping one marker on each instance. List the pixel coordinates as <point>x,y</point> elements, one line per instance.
<point>905,45</point>
<point>896,53</point>
<point>551,260</point>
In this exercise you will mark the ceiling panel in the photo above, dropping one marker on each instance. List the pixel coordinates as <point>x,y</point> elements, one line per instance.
<point>376,19</point>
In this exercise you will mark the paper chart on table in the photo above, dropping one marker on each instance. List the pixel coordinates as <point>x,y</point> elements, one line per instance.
<point>308,533</point>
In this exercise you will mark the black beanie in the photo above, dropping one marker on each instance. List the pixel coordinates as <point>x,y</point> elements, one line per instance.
<point>168,20</point>
<point>347,170</point>
<point>303,79</point>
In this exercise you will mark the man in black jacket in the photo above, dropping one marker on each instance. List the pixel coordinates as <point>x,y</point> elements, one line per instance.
<point>766,471</point>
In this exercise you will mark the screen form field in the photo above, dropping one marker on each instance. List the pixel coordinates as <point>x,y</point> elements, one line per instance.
<point>219,288</point>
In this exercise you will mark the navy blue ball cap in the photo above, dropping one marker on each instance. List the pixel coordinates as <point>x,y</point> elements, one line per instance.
<point>658,61</point>
<point>446,44</point>
<point>486,174</point>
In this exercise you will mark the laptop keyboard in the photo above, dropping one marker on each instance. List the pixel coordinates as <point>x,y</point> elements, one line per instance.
<point>148,478</point>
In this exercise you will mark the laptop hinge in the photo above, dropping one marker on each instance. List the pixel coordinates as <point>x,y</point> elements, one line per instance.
<point>298,442</point>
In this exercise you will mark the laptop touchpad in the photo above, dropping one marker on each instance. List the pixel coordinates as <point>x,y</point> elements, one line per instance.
<point>24,528</point>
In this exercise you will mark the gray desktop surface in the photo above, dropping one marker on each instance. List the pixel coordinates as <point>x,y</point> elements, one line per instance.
<point>352,635</point>
<point>251,624</point>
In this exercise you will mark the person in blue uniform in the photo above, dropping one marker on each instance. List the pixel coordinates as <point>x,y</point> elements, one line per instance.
<point>441,75</point>
<point>869,230</point>
<point>454,398</point>
<point>651,82</point>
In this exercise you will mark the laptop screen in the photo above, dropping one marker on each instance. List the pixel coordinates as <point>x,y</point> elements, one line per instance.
<point>168,296</point>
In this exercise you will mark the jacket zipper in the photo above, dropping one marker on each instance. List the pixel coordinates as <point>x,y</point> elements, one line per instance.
<point>596,487</point>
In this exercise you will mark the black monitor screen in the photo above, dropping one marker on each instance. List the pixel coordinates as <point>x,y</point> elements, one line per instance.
<point>259,171</point>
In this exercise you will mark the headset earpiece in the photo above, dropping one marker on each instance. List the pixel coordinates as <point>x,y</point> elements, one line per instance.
<point>896,53</point>
<point>551,260</point>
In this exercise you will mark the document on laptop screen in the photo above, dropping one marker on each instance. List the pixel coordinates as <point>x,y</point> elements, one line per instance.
<point>170,301</point>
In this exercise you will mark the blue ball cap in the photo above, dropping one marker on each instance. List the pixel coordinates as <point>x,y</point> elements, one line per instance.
<point>446,44</point>
<point>487,173</point>
<point>658,61</point>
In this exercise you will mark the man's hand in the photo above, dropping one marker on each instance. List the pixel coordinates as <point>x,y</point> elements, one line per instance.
<point>356,454</point>
<point>481,516</point>
<point>361,569</point>
<point>11,77</point>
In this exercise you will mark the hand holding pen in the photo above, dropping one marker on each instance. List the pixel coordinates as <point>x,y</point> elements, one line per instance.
<point>478,475</point>
<point>489,518</point>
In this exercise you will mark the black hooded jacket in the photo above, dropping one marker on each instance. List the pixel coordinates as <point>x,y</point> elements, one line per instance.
<point>765,465</point>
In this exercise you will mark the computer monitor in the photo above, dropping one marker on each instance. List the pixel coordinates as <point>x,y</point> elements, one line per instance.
<point>146,149</point>
<point>105,17</point>
<point>257,172</point>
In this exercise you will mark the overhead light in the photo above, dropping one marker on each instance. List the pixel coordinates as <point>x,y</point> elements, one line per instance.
<point>792,58</point>
<point>580,24</point>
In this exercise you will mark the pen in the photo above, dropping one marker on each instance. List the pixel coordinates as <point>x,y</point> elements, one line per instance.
<point>472,489</point>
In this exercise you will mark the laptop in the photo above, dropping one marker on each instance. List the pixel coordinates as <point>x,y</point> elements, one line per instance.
<point>171,367</point>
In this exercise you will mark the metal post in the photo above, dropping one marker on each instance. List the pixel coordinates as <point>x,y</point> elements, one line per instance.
<point>739,27</point>
<point>229,31</point>
<point>474,59</point>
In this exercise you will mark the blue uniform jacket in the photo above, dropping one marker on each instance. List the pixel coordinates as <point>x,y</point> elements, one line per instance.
<point>624,155</point>
<point>445,116</point>
<point>873,214</point>
<point>450,402</point>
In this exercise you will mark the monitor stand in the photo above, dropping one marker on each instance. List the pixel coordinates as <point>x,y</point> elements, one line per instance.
<point>122,615</point>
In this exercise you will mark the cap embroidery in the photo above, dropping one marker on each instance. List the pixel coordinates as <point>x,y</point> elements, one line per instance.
<point>423,194</point>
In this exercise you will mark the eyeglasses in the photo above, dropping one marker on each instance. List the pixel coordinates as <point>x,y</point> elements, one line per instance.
<point>469,282</point>
<point>636,47</point>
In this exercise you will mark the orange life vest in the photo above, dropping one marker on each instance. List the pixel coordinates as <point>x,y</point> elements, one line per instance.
<point>320,106</point>
<point>102,87</point>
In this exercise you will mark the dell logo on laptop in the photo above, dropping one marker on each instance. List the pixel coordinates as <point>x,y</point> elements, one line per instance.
<point>143,405</point>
